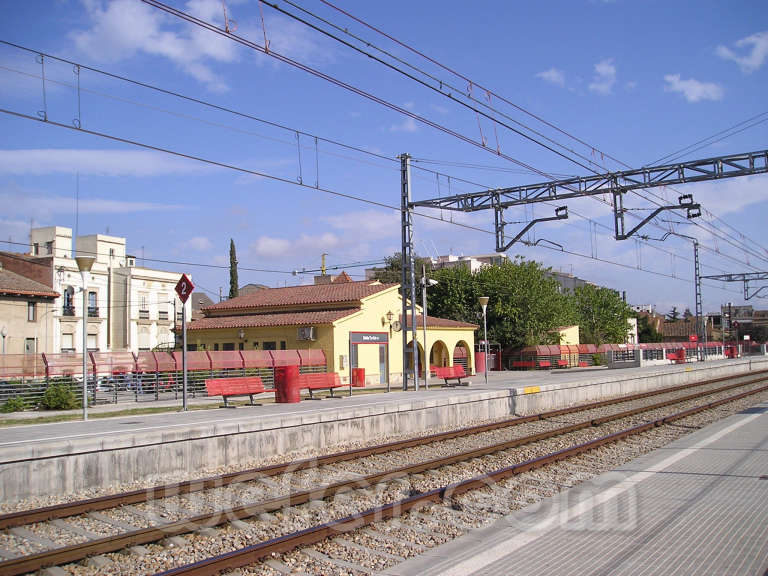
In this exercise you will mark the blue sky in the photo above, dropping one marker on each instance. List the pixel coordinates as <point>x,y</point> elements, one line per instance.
<point>635,80</point>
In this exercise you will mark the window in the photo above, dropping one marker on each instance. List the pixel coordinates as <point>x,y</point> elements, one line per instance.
<point>241,346</point>
<point>69,301</point>
<point>92,341</point>
<point>49,248</point>
<point>67,343</point>
<point>30,346</point>
<point>192,347</point>
<point>111,252</point>
<point>228,346</point>
<point>270,345</point>
<point>282,344</point>
<point>35,249</point>
<point>216,347</point>
<point>32,311</point>
<point>93,308</point>
<point>143,306</point>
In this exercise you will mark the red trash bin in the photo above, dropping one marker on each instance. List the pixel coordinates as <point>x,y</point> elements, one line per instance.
<point>358,377</point>
<point>287,388</point>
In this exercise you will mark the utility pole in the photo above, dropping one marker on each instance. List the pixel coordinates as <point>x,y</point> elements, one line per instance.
<point>407,276</point>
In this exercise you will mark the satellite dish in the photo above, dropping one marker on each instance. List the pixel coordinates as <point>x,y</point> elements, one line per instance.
<point>396,326</point>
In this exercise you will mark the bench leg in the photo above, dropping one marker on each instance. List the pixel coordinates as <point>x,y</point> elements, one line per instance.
<point>225,403</point>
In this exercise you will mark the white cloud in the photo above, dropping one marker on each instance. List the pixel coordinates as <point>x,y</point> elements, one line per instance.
<point>553,76</point>
<point>604,78</point>
<point>103,162</point>
<point>375,222</point>
<point>199,244</point>
<point>739,192</point>
<point>693,90</point>
<point>121,29</point>
<point>408,125</point>
<point>272,248</point>
<point>21,204</point>
<point>753,59</point>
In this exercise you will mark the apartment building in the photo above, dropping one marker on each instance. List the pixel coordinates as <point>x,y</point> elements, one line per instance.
<point>127,307</point>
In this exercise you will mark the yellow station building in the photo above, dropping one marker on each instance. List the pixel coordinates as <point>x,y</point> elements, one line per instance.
<point>356,324</point>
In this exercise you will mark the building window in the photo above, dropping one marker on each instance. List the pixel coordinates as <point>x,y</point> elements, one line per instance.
<point>49,248</point>
<point>35,249</point>
<point>67,343</point>
<point>228,346</point>
<point>143,307</point>
<point>30,346</point>
<point>255,345</point>
<point>69,301</point>
<point>282,344</point>
<point>93,308</point>
<point>241,346</point>
<point>192,347</point>
<point>92,341</point>
<point>162,314</point>
<point>270,345</point>
<point>32,311</point>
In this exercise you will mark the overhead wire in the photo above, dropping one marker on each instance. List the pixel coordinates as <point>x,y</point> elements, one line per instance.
<point>471,83</point>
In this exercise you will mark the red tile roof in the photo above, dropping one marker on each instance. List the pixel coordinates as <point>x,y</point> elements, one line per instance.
<point>301,296</point>
<point>433,322</point>
<point>18,285</point>
<point>278,319</point>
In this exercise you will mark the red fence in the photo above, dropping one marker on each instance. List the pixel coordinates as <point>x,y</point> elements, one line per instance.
<point>52,365</point>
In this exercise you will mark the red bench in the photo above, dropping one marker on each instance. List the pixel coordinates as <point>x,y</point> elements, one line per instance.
<point>562,363</point>
<point>455,372</point>
<point>523,364</point>
<point>238,386</point>
<point>320,381</point>
<point>544,364</point>
<point>582,364</point>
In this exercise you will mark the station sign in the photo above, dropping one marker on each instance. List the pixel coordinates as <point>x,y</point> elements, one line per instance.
<point>368,338</point>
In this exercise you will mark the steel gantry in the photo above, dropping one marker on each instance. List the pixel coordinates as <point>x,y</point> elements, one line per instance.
<point>746,278</point>
<point>615,183</point>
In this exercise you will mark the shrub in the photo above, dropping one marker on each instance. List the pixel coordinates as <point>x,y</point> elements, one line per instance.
<point>58,396</point>
<point>597,359</point>
<point>14,404</point>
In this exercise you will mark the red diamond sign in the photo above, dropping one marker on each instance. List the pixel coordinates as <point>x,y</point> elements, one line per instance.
<point>184,288</point>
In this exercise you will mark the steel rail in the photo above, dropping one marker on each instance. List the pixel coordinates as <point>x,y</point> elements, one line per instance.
<point>67,509</point>
<point>64,555</point>
<point>251,554</point>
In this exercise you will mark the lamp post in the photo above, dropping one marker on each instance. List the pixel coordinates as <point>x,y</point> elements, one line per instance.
<point>3,333</point>
<point>483,301</point>
<point>84,264</point>
<point>424,283</point>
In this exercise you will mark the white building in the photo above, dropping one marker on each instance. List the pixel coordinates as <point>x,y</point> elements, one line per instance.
<point>127,307</point>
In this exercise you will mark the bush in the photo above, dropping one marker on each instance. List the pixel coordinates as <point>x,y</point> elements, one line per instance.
<point>597,359</point>
<point>14,404</point>
<point>58,396</point>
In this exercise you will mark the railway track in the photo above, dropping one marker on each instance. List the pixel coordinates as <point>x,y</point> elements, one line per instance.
<point>28,524</point>
<point>439,502</point>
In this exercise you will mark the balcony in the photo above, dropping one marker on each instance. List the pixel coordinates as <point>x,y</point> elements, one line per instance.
<point>162,315</point>
<point>68,310</point>
<point>143,314</point>
<point>93,311</point>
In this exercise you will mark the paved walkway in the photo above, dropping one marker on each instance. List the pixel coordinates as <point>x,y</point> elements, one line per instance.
<point>697,506</point>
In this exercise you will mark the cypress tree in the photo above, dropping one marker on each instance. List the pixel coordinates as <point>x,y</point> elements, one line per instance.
<point>233,289</point>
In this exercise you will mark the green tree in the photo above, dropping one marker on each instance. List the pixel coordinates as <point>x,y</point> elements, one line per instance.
<point>390,273</point>
<point>233,284</point>
<point>525,307</point>
<point>602,315</point>
<point>646,332</point>
<point>673,315</point>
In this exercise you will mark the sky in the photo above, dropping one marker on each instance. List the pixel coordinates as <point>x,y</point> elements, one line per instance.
<point>179,139</point>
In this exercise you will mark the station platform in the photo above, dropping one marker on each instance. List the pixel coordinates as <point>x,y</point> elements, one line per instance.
<point>36,459</point>
<point>697,506</point>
